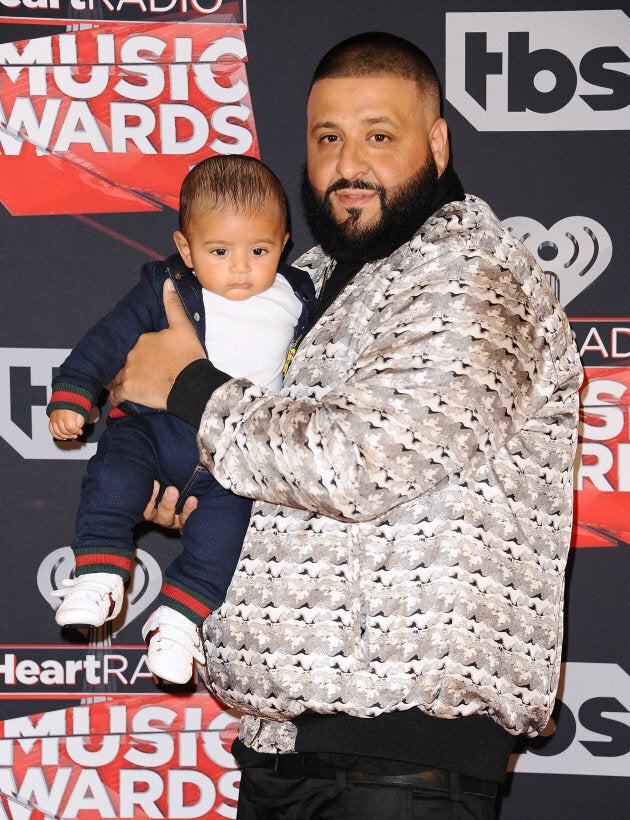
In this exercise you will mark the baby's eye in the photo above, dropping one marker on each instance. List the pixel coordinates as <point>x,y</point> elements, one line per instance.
<point>259,251</point>
<point>219,251</point>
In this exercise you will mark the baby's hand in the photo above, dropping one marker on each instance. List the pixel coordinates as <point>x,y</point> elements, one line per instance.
<point>66,424</point>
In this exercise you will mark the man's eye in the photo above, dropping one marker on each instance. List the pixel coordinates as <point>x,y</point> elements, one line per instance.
<point>380,137</point>
<point>329,138</point>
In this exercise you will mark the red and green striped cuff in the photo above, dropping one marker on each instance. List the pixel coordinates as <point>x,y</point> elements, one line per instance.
<point>70,397</point>
<point>102,559</point>
<point>189,603</point>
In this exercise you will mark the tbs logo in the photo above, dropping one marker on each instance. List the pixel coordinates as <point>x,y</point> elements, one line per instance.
<point>540,71</point>
<point>589,731</point>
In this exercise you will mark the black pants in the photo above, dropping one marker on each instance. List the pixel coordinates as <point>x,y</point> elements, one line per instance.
<point>266,794</point>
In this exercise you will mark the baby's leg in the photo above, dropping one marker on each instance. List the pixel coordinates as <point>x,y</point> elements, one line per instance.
<point>114,493</point>
<point>197,580</point>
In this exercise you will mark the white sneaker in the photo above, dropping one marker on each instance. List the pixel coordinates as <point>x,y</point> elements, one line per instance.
<point>173,644</point>
<point>90,599</point>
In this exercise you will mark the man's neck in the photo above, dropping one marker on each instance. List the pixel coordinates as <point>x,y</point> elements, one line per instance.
<point>449,189</point>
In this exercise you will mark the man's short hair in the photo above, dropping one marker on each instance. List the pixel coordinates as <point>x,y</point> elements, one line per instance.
<point>230,183</point>
<point>377,53</point>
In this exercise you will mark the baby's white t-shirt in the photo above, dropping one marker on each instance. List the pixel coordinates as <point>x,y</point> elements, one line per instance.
<point>249,338</point>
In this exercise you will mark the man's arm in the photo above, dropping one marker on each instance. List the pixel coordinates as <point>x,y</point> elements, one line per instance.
<point>450,372</point>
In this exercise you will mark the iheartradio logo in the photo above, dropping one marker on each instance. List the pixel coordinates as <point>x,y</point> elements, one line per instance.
<point>573,252</point>
<point>145,584</point>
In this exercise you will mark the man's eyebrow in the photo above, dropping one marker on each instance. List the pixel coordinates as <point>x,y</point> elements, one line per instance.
<point>323,124</point>
<point>375,120</point>
<point>380,120</point>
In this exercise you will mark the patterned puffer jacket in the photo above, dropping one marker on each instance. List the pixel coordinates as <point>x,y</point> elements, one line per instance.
<point>416,477</point>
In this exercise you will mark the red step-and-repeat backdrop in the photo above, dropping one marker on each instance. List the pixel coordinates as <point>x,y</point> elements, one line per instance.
<point>104,106</point>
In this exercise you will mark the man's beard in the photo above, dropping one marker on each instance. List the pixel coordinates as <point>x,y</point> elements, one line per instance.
<point>403,210</point>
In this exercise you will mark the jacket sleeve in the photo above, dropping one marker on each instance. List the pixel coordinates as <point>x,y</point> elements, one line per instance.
<point>450,369</point>
<point>102,351</point>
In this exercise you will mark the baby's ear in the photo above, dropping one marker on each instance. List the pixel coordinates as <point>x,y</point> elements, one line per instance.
<point>183,247</point>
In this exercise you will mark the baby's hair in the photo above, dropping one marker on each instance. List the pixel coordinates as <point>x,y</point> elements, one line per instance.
<point>230,183</point>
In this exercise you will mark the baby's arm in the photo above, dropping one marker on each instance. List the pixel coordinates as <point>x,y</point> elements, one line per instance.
<point>66,424</point>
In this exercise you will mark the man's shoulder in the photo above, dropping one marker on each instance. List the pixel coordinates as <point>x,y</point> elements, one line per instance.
<point>469,240</point>
<point>468,229</point>
<point>466,220</point>
<point>312,260</point>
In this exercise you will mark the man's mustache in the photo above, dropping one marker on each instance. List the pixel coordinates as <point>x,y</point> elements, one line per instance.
<point>358,184</point>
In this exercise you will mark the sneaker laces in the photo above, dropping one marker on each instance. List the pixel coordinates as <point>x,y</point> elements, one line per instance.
<point>95,588</point>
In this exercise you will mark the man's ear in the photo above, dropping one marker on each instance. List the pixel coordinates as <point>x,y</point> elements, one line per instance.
<point>183,247</point>
<point>438,142</point>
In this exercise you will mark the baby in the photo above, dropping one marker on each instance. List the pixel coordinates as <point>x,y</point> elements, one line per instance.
<point>247,309</point>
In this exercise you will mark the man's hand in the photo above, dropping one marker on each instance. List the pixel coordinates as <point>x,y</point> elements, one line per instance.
<point>164,514</point>
<point>158,358</point>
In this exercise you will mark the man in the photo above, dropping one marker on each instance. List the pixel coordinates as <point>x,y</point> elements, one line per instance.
<point>395,619</point>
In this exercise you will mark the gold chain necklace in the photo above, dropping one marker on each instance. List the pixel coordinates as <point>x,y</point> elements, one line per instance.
<point>327,272</point>
<point>293,349</point>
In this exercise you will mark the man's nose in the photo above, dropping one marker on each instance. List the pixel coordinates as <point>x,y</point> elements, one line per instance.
<point>351,161</point>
